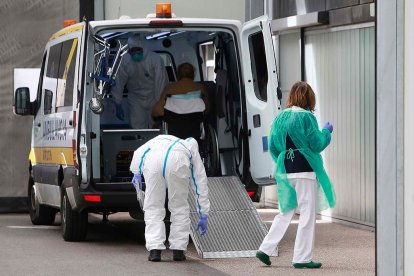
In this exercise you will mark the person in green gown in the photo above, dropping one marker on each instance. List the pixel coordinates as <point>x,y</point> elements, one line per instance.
<point>302,182</point>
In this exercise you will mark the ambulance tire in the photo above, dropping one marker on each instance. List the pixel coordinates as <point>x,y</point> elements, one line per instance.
<point>39,214</point>
<point>211,152</point>
<point>74,224</point>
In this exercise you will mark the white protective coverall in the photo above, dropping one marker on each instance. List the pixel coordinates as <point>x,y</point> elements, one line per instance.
<point>170,163</point>
<point>145,81</point>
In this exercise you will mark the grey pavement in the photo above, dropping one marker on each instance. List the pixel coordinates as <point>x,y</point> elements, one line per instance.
<point>117,248</point>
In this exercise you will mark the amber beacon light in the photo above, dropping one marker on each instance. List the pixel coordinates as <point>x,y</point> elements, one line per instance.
<point>163,10</point>
<point>69,22</point>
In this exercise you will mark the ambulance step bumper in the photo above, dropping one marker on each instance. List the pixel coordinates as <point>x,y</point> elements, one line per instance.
<point>234,226</point>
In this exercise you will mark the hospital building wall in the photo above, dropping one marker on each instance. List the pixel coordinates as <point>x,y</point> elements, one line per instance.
<point>25,27</point>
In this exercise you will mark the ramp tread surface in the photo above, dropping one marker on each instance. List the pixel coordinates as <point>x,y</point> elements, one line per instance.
<point>234,227</point>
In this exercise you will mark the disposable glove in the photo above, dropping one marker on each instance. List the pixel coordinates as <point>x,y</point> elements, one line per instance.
<point>328,126</point>
<point>137,180</point>
<point>202,224</point>
<point>120,112</point>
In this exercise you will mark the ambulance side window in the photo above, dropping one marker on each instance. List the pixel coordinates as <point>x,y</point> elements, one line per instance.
<point>259,65</point>
<point>64,97</point>
<point>50,80</point>
<point>40,85</point>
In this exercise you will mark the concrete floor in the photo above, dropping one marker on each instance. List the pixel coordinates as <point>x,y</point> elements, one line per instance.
<point>342,249</point>
<point>117,248</point>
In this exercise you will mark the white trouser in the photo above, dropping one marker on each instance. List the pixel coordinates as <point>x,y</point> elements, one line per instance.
<point>305,236</point>
<point>177,178</point>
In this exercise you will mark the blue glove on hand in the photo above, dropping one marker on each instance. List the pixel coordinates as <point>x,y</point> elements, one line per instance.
<point>202,223</point>
<point>328,126</point>
<point>120,112</point>
<point>137,180</point>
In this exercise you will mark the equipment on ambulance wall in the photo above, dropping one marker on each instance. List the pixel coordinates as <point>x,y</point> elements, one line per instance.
<point>104,73</point>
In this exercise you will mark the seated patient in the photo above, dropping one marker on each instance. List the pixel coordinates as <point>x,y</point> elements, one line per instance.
<point>182,104</point>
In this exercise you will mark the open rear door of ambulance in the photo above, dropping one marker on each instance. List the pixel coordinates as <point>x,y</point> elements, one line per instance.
<point>260,82</point>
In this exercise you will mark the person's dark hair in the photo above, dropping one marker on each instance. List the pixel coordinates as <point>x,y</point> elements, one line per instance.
<point>185,70</point>
<point>301,95</point>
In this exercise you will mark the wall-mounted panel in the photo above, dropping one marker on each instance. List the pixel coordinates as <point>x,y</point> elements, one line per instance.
<point>351,15</point>
<point>285,8</point>
<point>336,4</point>
<point>289,62</point>
<point>254,9</point>
<point>340,66</point>
<point>366,1</point>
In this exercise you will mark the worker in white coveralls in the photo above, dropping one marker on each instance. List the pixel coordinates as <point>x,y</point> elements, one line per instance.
<point>144,75</point>
<point>170,164</point>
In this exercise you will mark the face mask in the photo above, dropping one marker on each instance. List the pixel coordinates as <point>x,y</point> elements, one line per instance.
<point>137,56</point>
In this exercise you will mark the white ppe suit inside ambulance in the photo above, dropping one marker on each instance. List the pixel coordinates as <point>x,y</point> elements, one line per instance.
<point>170,164</point>
<point>144,75</point>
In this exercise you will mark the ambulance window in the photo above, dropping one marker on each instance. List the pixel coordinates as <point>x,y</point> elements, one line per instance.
<point>168,65</point>
<point>50,81</point>
<point>259,65</point>
<point>53,61</point>
<point>67,64</point>
<point>40,85</point>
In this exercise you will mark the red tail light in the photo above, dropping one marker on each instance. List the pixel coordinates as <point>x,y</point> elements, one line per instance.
<point>251,194</point>
<point>92,198</point>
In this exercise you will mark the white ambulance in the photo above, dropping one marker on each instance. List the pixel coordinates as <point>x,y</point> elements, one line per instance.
<point>80,151</point>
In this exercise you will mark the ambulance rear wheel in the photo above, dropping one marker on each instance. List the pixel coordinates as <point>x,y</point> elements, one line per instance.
<point>39,214</point>
<point>210,152</point>
<point>74,224</point>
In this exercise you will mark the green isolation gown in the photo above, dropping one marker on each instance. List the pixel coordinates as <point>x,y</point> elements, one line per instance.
<point>302,127</point>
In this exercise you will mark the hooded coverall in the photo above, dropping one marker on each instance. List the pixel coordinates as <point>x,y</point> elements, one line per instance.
<point>145,81</point>
<point>170,164</point>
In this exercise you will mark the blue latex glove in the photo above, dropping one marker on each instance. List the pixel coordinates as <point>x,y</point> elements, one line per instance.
<point>120,112</point>
<point>137,180</point>
<point>328,126</point>
<point>202,223</point>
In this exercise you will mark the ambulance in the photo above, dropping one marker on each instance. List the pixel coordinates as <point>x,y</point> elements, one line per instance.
<point>80,151</point>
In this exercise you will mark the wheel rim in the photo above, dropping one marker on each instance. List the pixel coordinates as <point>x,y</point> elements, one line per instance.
<point>33,198</point>
<point>212,155</point>
<point>64,211</point>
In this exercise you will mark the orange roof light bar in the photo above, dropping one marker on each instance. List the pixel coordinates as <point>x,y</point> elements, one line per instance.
<point>163,10</point>
<point>69,22</point>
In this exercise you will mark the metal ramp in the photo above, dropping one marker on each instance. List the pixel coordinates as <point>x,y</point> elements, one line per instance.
<point>234,226</point>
